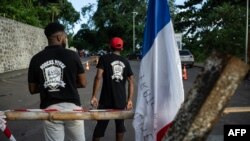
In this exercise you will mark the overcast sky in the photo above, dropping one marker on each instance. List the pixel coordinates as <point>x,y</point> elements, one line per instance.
<point>78,4</point>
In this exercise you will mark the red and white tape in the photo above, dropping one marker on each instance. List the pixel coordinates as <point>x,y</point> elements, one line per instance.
<point>49,110</point>
<point>65,110</point>
<point>8,134</point>
<point>6,130</point>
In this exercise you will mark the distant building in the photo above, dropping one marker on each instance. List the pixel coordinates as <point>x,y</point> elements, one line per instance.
<point>178,38</point>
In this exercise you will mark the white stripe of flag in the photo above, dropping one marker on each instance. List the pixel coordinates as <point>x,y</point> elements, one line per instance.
<point>160,86</point>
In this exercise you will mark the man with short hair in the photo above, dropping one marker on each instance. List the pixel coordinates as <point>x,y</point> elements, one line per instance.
<point>55,73</point>
<point>115,71</point>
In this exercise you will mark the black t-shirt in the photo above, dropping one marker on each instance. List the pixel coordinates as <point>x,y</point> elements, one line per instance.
<point>55,70</point>
<point>116,71</point>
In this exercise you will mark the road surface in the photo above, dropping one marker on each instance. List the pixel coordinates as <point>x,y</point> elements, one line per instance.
<point>14,95</point>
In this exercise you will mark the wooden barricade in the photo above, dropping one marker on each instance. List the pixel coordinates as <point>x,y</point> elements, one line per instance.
<point>70,115</point>
<point>207,99</point>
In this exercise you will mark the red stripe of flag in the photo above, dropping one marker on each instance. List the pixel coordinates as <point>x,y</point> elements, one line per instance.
<point>163,131</point>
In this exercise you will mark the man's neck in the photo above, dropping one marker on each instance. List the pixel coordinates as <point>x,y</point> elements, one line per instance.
<point>54,44</point>
<point>117,52</point>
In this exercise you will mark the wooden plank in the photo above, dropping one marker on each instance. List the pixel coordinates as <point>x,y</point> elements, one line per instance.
<point>230,110</point>
<point>39,115</point>
<point>22,115</point>
<point>206,101</point>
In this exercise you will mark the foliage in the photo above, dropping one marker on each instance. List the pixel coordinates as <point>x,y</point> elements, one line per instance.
<point>40,12</point>
<point>212,24</point>
<point>205,24</point>
<point>172,8</point>
<point>112,18</point>
<point>68,15</point>
<point>85,38</point>
<point>19,10</point>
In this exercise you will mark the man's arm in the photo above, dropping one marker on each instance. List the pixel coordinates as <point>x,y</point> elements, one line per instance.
<point>33,88</point>
<point>130,92</point>
<point>96,86</point>
<point>81,81</point>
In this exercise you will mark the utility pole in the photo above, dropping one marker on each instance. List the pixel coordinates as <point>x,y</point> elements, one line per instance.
<point>134,14</point>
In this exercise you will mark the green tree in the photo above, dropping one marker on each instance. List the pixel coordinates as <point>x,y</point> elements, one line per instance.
<point>212,24</point>
<point>19,10</point>
<point>115,18</point>
<point>85,39</point>
<point>172,8</point>
<point>68,15</point>
<point>40,12</point>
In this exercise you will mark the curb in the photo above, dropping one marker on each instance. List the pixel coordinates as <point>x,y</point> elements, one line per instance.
<point>12,74</point>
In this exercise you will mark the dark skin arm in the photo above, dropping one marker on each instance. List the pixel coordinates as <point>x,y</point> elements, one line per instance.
<point>81,81</point>
<point>130,92</point>
<point>97,82</point>
<point>33,88</point>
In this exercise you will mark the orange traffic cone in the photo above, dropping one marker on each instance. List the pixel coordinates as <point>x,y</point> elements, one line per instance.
<point>87,66</point>
<point>184,73</point>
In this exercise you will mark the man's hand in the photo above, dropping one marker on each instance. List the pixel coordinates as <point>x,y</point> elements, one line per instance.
<point>94,102</point>
<point>129,105</point>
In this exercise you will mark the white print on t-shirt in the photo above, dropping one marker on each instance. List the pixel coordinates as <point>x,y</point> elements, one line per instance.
<point>53,74</point>
<point>117,67</point>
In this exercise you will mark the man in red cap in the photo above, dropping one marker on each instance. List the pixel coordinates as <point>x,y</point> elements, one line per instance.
<point>115,70</point>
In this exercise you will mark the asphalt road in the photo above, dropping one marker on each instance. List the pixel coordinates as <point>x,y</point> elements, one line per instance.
<point>14,95</point>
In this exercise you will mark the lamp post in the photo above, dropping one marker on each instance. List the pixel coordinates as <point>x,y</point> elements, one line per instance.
<point>134,14</point>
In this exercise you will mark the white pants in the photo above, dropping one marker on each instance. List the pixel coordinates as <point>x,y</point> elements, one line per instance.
<point>72,130</point>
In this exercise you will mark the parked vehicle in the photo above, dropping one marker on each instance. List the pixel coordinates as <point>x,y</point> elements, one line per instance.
<point>187,58</point>
<point>101,52</point>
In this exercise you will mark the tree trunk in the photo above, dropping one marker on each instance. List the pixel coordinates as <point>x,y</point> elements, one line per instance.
<point>207,99</point>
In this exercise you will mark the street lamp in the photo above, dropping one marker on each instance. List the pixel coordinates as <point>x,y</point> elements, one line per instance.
<point>134,14</point>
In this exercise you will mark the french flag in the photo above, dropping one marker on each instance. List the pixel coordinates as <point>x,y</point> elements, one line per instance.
<point>160,86</point>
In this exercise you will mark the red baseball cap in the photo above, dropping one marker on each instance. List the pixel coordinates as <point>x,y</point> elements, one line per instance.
<point>116,43</point>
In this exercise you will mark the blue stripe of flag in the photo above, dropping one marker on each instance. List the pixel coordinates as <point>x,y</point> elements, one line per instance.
<point>157,17</point>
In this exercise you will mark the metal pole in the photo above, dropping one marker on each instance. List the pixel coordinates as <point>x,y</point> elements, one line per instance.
<point>246,51</point>
<point>134,14</point>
